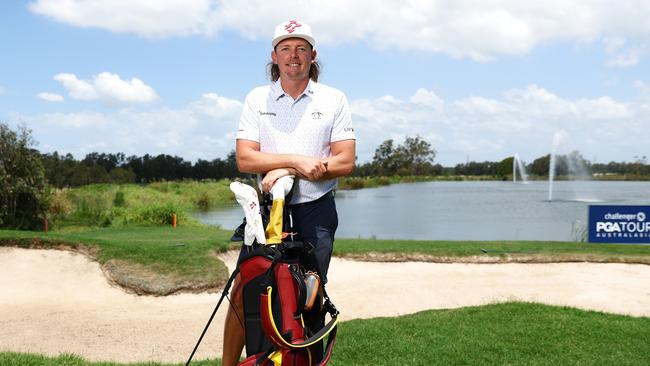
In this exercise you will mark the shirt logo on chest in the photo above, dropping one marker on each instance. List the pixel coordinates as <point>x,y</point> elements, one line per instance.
<point>316,115</point>
<point>266,113</point>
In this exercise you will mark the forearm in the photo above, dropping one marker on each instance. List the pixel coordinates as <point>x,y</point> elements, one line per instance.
<point>260,162</point>
<point>338,167</point>
<point>341,162</point>
<point>251,160</point>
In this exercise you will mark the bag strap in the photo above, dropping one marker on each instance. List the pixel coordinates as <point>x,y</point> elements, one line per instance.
<point>268,324</point>
<point>329,347</point>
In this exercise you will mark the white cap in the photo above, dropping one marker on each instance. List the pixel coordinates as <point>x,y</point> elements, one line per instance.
<point>293,29</point>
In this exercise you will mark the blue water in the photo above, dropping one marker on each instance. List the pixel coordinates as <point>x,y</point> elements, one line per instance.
<point>468,210</point>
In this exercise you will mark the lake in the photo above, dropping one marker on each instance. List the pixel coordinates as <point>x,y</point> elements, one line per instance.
<point>467,210</point>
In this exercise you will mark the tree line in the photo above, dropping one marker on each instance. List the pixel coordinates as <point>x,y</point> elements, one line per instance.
<point>415,157</point>
<point>65,171</point>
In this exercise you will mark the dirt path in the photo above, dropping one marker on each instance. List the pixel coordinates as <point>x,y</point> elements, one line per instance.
<point>56,301</point>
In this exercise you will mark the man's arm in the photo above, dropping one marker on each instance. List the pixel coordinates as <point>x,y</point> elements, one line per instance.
<point>251,160</point>
<point>341,162</point>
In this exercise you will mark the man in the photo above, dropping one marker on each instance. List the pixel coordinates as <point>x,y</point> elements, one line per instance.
<point>295,126</point>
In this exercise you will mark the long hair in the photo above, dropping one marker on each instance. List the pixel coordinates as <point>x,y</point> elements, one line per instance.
<point>274,71</point>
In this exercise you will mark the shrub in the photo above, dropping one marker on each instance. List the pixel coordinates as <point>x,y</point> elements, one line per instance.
<point>157,214</point>
<point>383,181</point>
<point>22,180</point>
<point>203,202</point>
<point>119,200</point>
<point>356,183</point>
<point>91,209</point>
<point>59,205</point>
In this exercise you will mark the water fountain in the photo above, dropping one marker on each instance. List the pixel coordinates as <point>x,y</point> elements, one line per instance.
<point>518,164</point>
<point>570,164</point>
<point>557,136</point>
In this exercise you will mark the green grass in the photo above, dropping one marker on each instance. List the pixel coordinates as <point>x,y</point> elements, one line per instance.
<point>182,250</point>
<point>184,253</point>
<point>500,334</point>
<point>126,204</point>
<point>552,250</point>
<point>30,359</point>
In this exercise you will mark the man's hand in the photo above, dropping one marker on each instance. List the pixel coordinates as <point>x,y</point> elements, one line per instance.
<point>272,176</point>
<point>310,168</point>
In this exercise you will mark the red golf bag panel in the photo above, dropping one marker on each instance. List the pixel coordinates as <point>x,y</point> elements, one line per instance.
<point>274,295</point>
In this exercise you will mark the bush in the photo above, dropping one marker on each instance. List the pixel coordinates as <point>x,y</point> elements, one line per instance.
<point>91,209</point>
<point>157,214</point>
<point>59,206</point>
<point>23,192</point>
<point>203,202</point>
<point>383,181</point>
<point>119,200</point>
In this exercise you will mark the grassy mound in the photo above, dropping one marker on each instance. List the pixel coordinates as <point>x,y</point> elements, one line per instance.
<point>152,260</point>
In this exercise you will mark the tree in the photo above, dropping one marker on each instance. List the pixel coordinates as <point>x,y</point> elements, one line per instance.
<point>414,157</point>
<point>384,158</point>
<point>504,170</point>
<point>122,175</point>
<point>22,180</point>
<point>477,168</point>
<point>540,166</point>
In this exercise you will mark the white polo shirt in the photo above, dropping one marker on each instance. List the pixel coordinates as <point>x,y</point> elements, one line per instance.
<point>305,126</point>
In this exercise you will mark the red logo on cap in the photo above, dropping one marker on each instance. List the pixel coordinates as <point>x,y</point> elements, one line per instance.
<point>291,27</point>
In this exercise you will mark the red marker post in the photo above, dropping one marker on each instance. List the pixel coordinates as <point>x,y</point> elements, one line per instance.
<point>174,221</point>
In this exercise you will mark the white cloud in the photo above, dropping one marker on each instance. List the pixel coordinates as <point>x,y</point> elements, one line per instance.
<point>152,18</point>
<point>81,120</point>
<point>521,121</point>
<point>203,129</point>
<point>217,107</point>
<point>108,88</point>
<point>460,28</point>
<point>643,88</point>
<point>50,97</point>
<point>482,106</point>
<point>3,91</point>
<point>427,98</point>
<point>603,108</point>
<point>77,89</point>
<point>621,53</point>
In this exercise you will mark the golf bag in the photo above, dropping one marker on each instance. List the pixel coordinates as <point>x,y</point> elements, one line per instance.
<point>279,329</point>
<point>284,306</point>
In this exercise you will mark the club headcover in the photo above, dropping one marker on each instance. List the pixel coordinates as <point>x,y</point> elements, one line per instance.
<point>247,198</point>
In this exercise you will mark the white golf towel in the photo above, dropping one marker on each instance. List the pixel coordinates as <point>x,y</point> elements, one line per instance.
<point>247,198</point>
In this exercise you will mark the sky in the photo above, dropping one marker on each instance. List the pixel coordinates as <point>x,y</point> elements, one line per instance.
<point>479,80</point>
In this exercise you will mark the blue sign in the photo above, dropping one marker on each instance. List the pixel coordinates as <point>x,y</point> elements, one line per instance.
<point>619,224</point>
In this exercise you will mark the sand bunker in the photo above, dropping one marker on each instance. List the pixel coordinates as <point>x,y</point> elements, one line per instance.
<point>56,301</point>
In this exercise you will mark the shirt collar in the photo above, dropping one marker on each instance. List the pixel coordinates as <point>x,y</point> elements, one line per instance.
<point>277,92</point>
